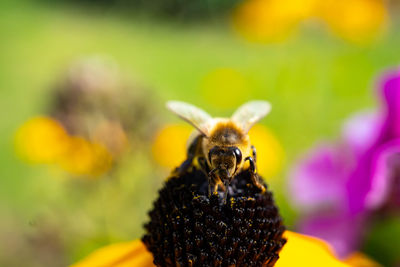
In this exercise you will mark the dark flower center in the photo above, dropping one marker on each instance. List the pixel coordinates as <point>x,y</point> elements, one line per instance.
<point>187,228</point>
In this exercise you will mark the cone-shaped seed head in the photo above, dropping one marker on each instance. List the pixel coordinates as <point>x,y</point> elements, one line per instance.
<point>187,228</point>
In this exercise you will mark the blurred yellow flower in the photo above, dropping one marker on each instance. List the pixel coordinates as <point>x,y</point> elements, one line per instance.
<point>354,20</point>
<point>274,20</point>
<point>225,88</point>
<point>300,250</point>
<point>85,158</point>
<point>270,20</point>
<point>170,144</point>
<point>270,154</point>
<point>44,140</point>
<point>41,140</point>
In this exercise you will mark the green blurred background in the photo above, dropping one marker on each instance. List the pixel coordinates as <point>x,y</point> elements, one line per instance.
<point>313,79</point>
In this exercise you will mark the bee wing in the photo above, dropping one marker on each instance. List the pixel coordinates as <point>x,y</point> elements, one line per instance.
<point>250,113</point>
<point>197,117</point>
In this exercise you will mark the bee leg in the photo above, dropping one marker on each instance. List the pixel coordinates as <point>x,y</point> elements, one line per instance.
<point>209,186</point>
<point>226,184</point>
<point>253,168</point>
<point>203,165</point>
<point>254,177</point>
<point>212,183</point>
<point>191,153</point>
<point>254,152</point>
<point>215,188</point>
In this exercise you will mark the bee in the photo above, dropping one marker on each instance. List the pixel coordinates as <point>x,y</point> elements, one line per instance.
<point>221,146</point>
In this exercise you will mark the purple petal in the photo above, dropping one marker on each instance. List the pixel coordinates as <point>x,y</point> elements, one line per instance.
<point>385,167</point>
<point>369,175</point>
<point>390,90</point>
<point>361,131</point>
<point>369,186</point>
<point>341,231</point>
<point>320,178</point>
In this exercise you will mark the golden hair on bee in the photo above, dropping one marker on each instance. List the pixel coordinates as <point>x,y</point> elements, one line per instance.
<point>222,145</point>
<point>227,132</point>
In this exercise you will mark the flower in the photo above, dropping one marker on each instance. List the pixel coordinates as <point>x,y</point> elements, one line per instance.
<point>125,254</point>
<point>269,20</point>
<point>95,117</point>
<point>43,140</point>
<point>95,101</point>
<point>358,21</point>
<point>300,250</point>
<point>86,158</point>
<point>360,260</point>
<point>338,187</point>
<point>187,227</point>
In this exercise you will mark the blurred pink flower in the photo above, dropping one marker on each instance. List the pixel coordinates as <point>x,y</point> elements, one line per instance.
<point>340,185</point>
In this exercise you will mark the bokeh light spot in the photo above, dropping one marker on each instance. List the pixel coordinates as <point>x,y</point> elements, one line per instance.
<point>85,158</point>
<point>270,20</point>
<point>44,140</point>
<point>355,20</point>
<point>41,140</point>
<point>267,21</point>
<point>170,144</point>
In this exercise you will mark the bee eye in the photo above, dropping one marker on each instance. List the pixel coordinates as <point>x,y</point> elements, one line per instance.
<point>238,154</point>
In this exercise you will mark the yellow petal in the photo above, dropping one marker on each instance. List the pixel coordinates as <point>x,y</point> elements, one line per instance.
<point>127,254</point>
<point>302,250</point>
<point>358,259</point>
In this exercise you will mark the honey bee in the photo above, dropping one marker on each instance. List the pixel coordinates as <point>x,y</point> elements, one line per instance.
<point>221,146</point>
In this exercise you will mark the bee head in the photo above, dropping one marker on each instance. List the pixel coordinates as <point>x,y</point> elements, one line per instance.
<point>225,160</point>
